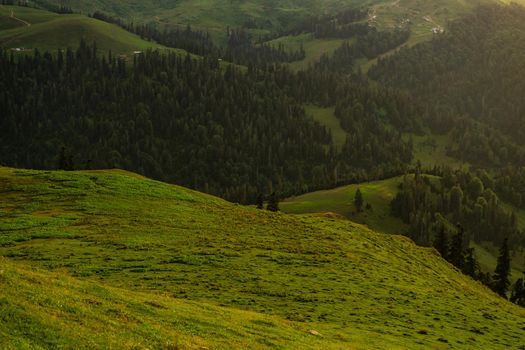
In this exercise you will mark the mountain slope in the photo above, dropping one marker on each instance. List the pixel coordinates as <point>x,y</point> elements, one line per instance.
<point>274,15</point>
<point>379,195</point>
<point>48,31</point>
<point>332,276</point>
<point>52,310</point>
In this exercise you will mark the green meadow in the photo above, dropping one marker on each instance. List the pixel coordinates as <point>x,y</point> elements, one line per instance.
<point>340,201</point>
<point>49,31</point>
<point>100,258</point>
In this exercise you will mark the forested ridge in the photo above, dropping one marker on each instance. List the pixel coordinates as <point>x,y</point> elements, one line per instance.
<point>430,204</point>
<point>470,81</point>
<point>228,131</point>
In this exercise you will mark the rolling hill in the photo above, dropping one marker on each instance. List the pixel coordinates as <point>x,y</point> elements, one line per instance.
<point>44,30</point>
<point>276,17</point>
<point>93,253</point>
<point>379,194</point>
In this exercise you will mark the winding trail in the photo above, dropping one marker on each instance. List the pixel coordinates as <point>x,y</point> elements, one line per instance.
<point>18,19</point>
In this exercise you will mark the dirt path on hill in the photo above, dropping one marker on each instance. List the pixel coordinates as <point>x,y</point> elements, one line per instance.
<point>19,20</point>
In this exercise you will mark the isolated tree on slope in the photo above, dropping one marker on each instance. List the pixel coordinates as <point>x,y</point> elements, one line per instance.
<point>65,160</point>
<point>456,198</point>
<point>502,273</point>
<point>471,264</point>
<point>518,293</point>
<point>260,201</point>
<point>441,243</point>
<point>273,203</point>
<point>358,200</point>
<point>457,254</point>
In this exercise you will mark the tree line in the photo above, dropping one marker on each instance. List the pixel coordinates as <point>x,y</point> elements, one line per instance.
<point>240,47</point>
<point>223,130</point>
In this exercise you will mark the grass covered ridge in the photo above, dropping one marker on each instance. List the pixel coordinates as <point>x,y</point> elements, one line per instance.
<point>340,201</point>
<point>49,31</point>
<point>236,276</point>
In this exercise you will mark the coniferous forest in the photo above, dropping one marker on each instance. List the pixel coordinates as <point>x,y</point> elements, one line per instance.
<point>221,129</point>
<point>263,174</point>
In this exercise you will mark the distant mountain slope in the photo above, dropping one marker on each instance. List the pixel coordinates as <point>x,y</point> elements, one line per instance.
<point>48,31</point>
<point>471,82</point>
<point>274,15</point>
<point>345,286</point>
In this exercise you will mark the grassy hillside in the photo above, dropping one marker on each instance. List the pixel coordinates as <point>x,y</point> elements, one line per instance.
<point>116,318</point>
<point>303,281</point>
<point>340,201</point>
<point>313,48</point>
<point>52,310</point>
<point>379,194</point>
<point>48,31</point>
<point>326,117</point>
<point>274,15</point>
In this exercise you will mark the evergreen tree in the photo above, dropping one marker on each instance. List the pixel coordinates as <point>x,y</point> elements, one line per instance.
<point>358,200</point>
<point>273,203</point>
<point>456,197</point>
<point>65,160</point>
<point>62,159</point>
<point>260,201</point>
<point>502,274</point>
<point>441,243</point>
<point>518,293</point>
<point>457,254</point>
<point>471,264</point>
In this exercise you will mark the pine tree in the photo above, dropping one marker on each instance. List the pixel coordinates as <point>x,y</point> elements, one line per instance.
<point>441,243</point>
<point>273,203</point>
<point>457,254</point>
<point>501,276</point>
<point>518,293</point>
<point>63,159</point>
<point>260,201</point>
<point>471,264</point>
<point>358,200</point>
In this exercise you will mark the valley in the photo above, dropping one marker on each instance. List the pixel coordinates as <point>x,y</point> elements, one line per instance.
<point>284,174</point>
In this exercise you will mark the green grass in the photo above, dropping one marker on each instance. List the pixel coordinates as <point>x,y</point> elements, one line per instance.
<point>486,254</point>
<point>314,48</point>
<point>431,150</point>
<point>229,276</point>
<point>340,201</point>
<point>51,32</point>
<point>46,310</point>
<point>326,117</point>
<point>379,194</point>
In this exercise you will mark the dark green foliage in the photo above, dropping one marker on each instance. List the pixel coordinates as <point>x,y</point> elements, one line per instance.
<point>470,81</point>
<point>510,185</point>
<point>172,118</point>
<point>457,249</point>
<point>441,243</point>
<point>220,130</point>
<point>240,48</point>
<point>358,200</point>
<point>194,41</point>
<point>65,160</point>
<point>273,202</point>
<point>471,267</point>
<point>502,274</point>
<point>427,203</point>
<point>260,201</point>
<point>518,293</point>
